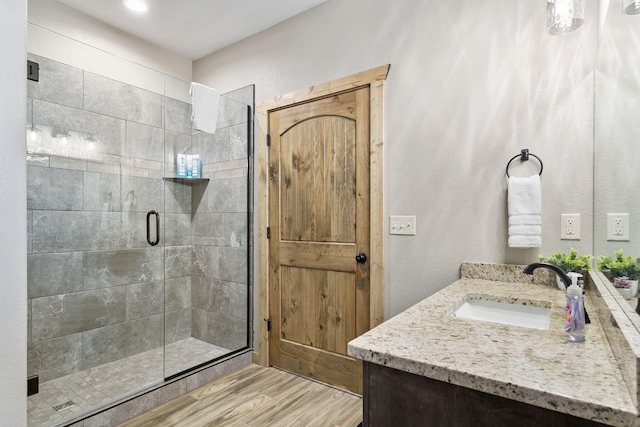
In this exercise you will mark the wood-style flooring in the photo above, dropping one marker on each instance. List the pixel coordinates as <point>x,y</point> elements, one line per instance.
<point>255,397</point>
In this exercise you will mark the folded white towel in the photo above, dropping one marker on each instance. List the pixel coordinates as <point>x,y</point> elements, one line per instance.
<point>520,241</point>
<point>525,225</point>
<point>525,219</point>
<point>524,196</point>
<point>204,107</point>
<point>526,230</point>
<point>525,209</point>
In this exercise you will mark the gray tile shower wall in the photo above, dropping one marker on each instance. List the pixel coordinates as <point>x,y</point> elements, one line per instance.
<point>120,340</point>
<point>111,98</point>
<point>97,291</point>
<point>177,116</point>
<point>60,83</point>
<point>58,118</point>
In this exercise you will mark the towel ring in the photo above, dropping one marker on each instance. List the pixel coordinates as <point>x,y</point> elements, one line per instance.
<point>524,156</point>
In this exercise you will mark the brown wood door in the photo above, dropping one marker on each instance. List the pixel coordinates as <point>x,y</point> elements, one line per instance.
<point>319,221</point>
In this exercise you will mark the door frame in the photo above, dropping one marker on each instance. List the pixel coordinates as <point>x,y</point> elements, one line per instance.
<point>374,79</point>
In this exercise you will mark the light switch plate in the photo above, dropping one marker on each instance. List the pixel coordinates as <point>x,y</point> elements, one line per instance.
<point>402,225</point>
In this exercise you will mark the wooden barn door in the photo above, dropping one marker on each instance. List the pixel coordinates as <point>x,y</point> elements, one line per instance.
<point>319,236</point>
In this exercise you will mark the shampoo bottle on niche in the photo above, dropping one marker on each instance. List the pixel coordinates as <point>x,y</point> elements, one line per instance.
<point>189,166</point>
<point>574,329</point>
<point>196,166</point>
<point>181,166</point>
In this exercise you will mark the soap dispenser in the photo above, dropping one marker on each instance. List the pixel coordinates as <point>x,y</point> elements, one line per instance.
<point>574,325</point>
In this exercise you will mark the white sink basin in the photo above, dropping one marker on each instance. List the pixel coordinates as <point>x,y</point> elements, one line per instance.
<point>508,314</point>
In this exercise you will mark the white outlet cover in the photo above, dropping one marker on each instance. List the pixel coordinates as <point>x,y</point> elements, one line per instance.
<point>618,227</point>
<point>569,226</point>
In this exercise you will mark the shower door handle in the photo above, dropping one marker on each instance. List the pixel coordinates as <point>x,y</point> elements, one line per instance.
<point>157,215</point>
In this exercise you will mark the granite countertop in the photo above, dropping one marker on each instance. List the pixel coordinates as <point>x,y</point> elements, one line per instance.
<point>539,367</point>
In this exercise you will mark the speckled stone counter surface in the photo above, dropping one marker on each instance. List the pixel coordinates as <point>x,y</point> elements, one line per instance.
<point>538,367</point>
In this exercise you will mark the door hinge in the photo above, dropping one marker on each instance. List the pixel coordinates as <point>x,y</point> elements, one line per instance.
<point>268,140</point>
<point>268,324</point>
<point>268,234</point>
<point>33,71</point>
<point>33,385</point>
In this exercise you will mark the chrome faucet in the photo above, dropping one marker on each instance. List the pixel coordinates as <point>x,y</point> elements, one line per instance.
<point>561,274</point>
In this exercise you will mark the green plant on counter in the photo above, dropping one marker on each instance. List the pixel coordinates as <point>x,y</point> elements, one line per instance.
<point>568,263</point>
<point>619,266</point>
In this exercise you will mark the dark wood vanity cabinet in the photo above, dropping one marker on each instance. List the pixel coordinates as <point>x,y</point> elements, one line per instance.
<point>397,398</point>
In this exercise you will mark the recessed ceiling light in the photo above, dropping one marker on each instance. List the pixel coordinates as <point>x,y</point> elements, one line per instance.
<point>139,6</point>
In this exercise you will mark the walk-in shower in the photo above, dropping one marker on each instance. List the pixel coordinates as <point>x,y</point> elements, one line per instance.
<point>110,312</point>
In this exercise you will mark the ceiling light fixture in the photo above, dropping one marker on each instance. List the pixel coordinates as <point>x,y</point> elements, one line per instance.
<point>564,16</point>
<point>138,6</point>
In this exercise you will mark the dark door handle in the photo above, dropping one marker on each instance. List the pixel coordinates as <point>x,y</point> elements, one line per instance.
<point>149,241</point>
<point>361,258</point>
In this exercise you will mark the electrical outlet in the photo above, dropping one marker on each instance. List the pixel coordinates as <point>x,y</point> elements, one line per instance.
<point>570,227</point>
<point>618,226</point>
<point>402,225</point>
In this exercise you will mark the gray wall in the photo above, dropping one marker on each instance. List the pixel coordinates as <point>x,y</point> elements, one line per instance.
<point>97,291</point>
<point>13,227</point>
<point>470,84</point>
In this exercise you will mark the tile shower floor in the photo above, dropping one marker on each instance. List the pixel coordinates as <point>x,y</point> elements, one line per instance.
<point>65,396</point>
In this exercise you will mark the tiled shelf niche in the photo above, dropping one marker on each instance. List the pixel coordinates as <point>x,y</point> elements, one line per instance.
<point>186,181</point>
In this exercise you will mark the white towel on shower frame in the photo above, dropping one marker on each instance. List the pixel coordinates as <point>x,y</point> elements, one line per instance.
<point>204,107</point>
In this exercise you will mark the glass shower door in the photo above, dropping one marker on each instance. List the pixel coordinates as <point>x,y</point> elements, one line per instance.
<point>206,240</point>
<point>95,285</point>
